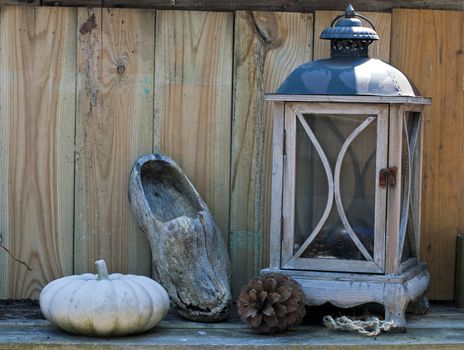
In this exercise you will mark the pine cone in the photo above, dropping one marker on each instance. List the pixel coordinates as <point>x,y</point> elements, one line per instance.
<point>271,303</point>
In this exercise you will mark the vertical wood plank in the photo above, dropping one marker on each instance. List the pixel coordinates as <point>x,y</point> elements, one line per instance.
<point>4,161</point>
<point>88,108</point>
<point>275,226</point>
<point>268,46</point>
<point>289,190</point>
<point>193,89</point>
<point>394,193</point>
<point>115,122</point>
<point>379,49</point>
<point>428,47</point>
<point>37,75</point>
<point>381,193</point>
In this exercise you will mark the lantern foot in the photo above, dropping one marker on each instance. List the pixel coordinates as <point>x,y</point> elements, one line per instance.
<point>395,305</point>
<point>346,290</point>
<point>420,306</point>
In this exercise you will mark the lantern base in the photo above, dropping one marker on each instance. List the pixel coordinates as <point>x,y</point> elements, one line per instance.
<point>394,291</point>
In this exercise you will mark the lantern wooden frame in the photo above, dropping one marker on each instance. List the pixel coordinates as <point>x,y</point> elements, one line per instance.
<point>382,278</point>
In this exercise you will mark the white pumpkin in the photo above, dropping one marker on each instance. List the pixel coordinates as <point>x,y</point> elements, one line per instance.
<point>104,305</point>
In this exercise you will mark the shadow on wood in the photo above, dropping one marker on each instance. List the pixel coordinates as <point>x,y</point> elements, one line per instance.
<point>190,258</point>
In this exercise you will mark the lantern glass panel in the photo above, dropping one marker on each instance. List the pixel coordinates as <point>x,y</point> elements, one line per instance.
<point>331,147</point>
<point>410,177</point>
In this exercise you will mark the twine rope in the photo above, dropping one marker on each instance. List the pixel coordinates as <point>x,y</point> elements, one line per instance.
<point>371,327</point>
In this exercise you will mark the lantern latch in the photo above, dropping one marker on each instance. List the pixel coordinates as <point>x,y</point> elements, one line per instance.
<point>387,176</point>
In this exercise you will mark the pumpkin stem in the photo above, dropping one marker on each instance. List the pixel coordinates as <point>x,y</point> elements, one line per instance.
<point>102,271</point>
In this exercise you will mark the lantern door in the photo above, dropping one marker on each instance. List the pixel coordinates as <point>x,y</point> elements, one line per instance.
<point>334,201</point>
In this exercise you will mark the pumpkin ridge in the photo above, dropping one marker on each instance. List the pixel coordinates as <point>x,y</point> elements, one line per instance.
<point>71,327</point>
<point>85,289</point>
<point>151,316</point>
<point>118,308</point>
<point>134,296</point>
<point>159,288</point>
<point>46,297</point>
<point>100,309</point>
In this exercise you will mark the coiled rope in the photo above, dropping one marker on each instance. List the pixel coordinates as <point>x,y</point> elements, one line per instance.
<point>371,327</point>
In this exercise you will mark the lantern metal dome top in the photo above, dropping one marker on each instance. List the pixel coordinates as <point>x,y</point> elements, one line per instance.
<point>347,32</point>
<point>349,71</point>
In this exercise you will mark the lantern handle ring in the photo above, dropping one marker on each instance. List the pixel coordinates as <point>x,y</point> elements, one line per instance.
<point>354,14</point>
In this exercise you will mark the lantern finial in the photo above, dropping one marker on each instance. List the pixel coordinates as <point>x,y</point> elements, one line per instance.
<point>349,12</point>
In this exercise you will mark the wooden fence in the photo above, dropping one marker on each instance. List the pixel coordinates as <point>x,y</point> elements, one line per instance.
<point>84,92</point>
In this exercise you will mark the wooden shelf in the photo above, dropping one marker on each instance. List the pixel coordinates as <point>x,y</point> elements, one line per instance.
<point>441,328</point>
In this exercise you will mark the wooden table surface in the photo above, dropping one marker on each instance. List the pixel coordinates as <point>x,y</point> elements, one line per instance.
<point>441,328</point>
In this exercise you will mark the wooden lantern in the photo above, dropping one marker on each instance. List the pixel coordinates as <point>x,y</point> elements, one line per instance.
<point>346,179</point>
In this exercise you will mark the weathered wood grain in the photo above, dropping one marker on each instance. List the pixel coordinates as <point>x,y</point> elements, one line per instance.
<point>268,46</point>
<point>190,258</point>
<point>379,49</point>
<point>428,47</point>
<point>441,328</point>
<point>114,127</point>
<point>392,265</point>
<point>262,5</point>
<point>37,75</point>
<point>4,161</point>
<point>289,187</point>
<point>193,89</point>
<point>276,224</point>
<point>246,197</point>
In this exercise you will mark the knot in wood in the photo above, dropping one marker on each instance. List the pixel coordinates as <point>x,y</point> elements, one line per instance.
<point>121,68</point>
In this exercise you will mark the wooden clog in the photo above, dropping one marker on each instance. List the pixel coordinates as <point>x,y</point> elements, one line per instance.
<point>189,257</point>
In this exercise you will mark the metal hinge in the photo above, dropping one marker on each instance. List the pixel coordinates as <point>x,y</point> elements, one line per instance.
<point>388,176</point>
